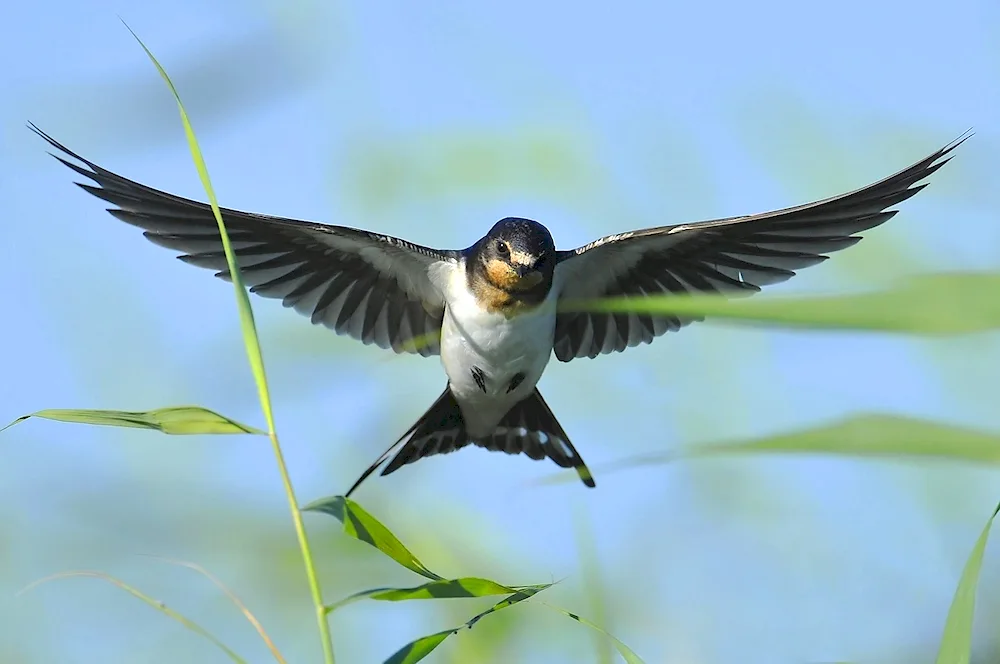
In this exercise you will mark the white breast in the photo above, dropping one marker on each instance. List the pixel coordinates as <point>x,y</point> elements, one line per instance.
<point>475,341</point>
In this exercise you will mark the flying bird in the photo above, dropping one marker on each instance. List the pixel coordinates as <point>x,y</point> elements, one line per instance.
<point>490,311</point>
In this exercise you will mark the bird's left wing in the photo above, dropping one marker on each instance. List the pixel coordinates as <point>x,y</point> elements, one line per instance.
<point>732,256</point>
<point>374,288</point>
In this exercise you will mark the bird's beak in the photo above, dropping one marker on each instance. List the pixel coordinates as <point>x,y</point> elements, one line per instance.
<point>527,276</point>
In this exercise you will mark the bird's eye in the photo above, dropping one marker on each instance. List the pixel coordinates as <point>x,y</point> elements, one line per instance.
<point>502,248</point>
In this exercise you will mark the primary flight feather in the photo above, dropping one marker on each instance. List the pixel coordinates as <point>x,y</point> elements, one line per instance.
<point>490,310</point>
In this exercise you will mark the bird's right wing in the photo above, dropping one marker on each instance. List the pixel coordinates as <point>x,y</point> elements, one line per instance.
<point>374,288</point>
<point>731,256</point>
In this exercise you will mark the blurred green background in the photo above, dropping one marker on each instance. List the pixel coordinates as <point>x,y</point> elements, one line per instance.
<point>430,123</point>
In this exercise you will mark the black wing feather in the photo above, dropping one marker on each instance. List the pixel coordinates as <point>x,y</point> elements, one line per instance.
<point>343,278</point>
<point>733,256</point>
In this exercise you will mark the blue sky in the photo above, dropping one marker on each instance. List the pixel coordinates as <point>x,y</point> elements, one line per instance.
<point>430,123</point>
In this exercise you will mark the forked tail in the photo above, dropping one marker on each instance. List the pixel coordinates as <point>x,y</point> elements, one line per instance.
<point>528,428</point>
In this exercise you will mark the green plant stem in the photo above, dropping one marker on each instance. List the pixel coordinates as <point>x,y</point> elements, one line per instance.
<point>256,357</point>
<point>300,532</point>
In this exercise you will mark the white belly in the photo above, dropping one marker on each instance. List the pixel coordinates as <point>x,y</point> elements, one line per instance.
<point>496,350</point>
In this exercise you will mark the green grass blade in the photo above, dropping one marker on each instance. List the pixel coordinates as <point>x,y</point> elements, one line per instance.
<point>159,606</point>
<point>468,586</point>
<point>464,587</point>
<point>627,653</point>
<point>415,651</point>
<point>873,435</point>
<point>256,359</point>
<point>867,435</point>
<point>251,618</point>
<point>247,323</point>
<point>179,420</point>
<point>593,583</point>
<point>943,303</point>
<point>361,525</point>
<point>956,643</point>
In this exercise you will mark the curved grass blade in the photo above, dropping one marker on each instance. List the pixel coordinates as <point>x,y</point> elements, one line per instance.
<point>593,583</point>
<point>627,653</point>
<point>251,618</point>
<point>469,586</point>
<point>873,435</point>
<point>417,650</point>
<point>956,643</point>
<point>414,651</point>
<point>256,359</point>
<point>159,606</point>
<point>247,323</point>
<point>464,587</point>
<point>865,435</point>
<point>361,525</point>
<point>179,420</point>
<point>933,304</point>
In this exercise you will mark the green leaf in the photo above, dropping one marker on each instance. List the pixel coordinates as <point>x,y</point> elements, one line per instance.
<point>627,653</point>
<point>865,435</point>
<point>361,525</point>
<point>180,420</point>
<point>464,587</point>
<point>956,643</point>
<point>944,303</point>
<point>468,586</point>
<point>873,435</point>
<point>156,604</point>
<point>415,651</point>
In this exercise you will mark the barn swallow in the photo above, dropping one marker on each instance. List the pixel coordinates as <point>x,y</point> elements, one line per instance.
<point>491,310</point>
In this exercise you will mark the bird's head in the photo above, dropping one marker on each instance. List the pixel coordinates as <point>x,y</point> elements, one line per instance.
<point>518,256</point>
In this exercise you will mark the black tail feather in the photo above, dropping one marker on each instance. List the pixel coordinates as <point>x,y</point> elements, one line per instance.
<point>438,431</point>
<point>529,428</point>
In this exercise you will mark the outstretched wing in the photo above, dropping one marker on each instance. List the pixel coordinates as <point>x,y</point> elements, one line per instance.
<point>374,288</point>
<point>732,256</point>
